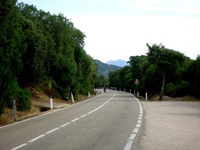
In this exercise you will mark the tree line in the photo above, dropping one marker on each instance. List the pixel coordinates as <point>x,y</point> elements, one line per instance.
<point>162,70</point>
<point>39,49</point>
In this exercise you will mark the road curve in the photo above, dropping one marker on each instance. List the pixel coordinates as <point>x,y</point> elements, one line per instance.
<point>108,121</point>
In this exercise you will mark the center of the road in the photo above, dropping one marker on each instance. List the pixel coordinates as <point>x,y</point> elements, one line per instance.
<point>64,125</point>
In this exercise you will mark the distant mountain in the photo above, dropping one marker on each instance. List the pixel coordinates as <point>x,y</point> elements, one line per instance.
<point>119,62</point>
<point>104,68</point>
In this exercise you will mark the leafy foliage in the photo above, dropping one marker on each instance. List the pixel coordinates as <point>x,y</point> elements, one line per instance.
<point>193,76</point>
<point>166,61</point>
<point>104,69</point>
<point>101,81</point>
<point>37,48</point>
<point>159,67</point>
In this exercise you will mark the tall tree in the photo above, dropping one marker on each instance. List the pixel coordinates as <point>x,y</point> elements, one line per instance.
<point>11,50</point>
<point>166,60</point>
<point>193,76</point>
<point>137,64</point>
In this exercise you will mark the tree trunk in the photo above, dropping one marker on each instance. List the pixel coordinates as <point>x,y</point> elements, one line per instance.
<point>163,86</point>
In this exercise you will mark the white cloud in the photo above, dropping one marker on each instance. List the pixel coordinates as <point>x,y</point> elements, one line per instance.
<point>119,37</point>
<point>94,0</point>
<point>171,6</point>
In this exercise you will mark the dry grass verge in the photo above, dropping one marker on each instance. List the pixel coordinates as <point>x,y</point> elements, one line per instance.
<point>40,104</point>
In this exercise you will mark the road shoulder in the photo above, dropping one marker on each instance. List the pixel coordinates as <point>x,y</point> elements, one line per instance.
<point>170,125</point>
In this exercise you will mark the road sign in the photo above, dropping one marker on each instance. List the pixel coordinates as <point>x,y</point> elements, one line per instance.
<point>137,82</point>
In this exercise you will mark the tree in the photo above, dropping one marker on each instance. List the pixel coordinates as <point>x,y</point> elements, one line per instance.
<point>166,60</point>
<point>193,76</point>
<point>150,79</point>
<point>11,51</point>
<point>138,64</point>
<point>101,81</point>
<point>114,79</point>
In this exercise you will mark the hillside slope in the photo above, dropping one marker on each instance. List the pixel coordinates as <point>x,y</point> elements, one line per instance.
<point>104,69</point>
<point>119,62</point>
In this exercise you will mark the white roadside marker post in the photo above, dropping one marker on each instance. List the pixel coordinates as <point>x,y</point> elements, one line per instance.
<point>51,102</point>
<point>146,96</point>
<point>15,110</point>
<point>72,97</point>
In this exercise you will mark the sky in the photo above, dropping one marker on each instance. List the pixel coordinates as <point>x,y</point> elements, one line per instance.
<point>118,29</point>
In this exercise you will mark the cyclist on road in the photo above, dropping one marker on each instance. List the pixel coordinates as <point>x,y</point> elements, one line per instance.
<point>104,89</point>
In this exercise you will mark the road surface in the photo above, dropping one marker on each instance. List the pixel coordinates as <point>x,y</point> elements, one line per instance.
<point>108,121</point>
<point>170,126</point>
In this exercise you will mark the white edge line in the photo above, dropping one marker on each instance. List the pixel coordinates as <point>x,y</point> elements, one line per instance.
<point>128,145</point>
<point>136,129</point>
<point>138,125</point>
<point>132,137</point>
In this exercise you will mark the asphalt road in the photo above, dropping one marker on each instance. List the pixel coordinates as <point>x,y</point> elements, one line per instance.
<point>108,121</point>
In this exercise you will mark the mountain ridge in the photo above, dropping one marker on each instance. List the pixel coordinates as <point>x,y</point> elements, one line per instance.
<point>104,68</point>
<point>119,62</point>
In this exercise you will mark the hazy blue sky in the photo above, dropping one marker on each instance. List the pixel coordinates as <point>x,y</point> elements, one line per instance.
<point>118,29</point>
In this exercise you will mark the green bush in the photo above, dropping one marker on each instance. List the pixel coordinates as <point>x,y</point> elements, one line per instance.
<point>24,100</point>
<point>2,106</point>
<point>170,89</point>
<point>183,88</point>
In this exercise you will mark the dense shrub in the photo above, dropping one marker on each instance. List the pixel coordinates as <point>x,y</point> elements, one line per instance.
<point>24,100</point>
<point>170,89</point>
<point>183,88</point>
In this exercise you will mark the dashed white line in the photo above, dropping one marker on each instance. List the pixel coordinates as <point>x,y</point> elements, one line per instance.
<point>83,116</point>
<point>20,146</point>
<point>33,140</point>
<point>75,119</point>
<point>140,118</point>
<point>138,125</point>
<point>65,124</point>
<point>128,145</point>
<point>132,137</point>
<point>52,131</point>
<point>136,129</point>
